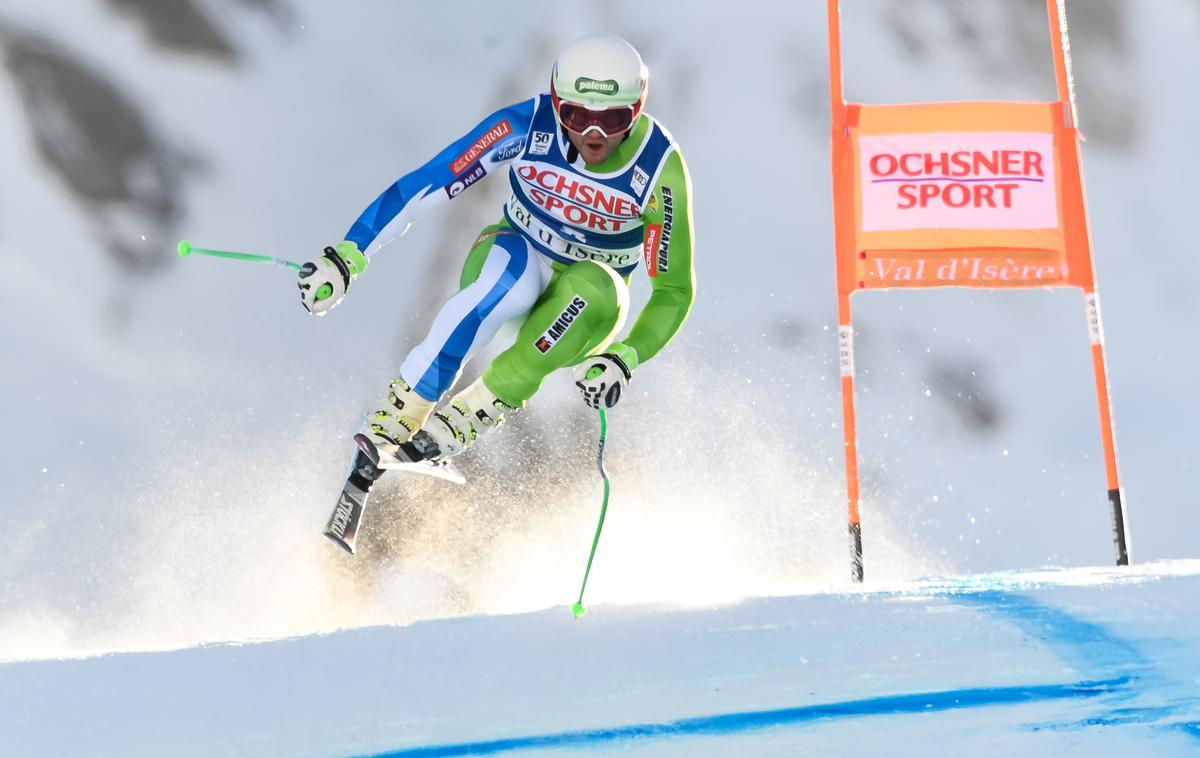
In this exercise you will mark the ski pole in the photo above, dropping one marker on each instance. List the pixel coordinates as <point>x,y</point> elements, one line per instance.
<point>577,609</point>
<point>185,249</point>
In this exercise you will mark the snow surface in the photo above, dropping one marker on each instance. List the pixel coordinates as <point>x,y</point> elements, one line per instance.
<point>1081,662</point>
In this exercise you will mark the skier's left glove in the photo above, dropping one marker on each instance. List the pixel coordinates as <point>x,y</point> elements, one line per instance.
<point>602,378</point>
<point>324,281</point>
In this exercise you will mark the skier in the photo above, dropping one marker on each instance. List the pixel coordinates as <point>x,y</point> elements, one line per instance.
<point>594,183</point>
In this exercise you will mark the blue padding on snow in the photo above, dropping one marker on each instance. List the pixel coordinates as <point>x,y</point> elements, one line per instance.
<point>730,723</point>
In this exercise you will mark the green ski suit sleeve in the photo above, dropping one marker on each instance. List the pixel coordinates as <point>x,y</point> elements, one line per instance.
<point>668,259</point>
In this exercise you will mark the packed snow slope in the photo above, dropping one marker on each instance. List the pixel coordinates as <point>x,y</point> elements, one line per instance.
<point>1080,662</point>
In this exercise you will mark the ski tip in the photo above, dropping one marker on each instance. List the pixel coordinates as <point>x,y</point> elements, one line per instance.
<point>578,610</point>
<point>368,447</point>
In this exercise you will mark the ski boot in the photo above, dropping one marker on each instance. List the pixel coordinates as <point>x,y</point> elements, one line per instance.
<point>403,415</point>
<point>472,412</point>
<point>389,431</point>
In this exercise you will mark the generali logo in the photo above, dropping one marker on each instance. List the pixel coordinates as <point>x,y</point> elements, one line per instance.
<point>958,180</point>
<point>486,140</point>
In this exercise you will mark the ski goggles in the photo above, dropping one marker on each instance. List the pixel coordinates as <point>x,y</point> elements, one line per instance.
<point>581,119</point>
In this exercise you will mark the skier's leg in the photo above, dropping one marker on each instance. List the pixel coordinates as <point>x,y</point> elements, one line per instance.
<point>507,284</point>
<point>579,313</point>
<point>477,256</point>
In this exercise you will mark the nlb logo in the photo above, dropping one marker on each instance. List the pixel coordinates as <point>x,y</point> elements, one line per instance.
<point>480,146</point>
<point>578,202</point>
<point>474,173</point>
<point>967,180</point>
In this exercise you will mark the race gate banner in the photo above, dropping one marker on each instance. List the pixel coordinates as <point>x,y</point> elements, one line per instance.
<point>957,195</point>
<point>964,194</point>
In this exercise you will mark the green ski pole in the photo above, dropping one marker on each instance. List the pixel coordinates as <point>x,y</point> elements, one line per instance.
<point>185,249</point>
<point>577,609</point>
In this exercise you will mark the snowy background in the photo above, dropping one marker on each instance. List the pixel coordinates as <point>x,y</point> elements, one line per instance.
<point>175,430</point>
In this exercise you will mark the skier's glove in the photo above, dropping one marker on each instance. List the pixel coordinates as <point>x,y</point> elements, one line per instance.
<point>602,378</point>
<point>324,281</point>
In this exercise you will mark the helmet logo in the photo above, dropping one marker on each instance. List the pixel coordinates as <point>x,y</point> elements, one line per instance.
<point>605,87</point>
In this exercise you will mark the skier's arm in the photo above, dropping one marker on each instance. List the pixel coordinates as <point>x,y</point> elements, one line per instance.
<point>668,221</point>
<point>494,142</point>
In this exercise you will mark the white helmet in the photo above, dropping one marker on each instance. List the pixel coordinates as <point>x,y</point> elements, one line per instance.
<point>600,72</point>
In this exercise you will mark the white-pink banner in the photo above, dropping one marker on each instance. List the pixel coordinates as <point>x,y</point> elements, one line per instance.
<point>958,180</point>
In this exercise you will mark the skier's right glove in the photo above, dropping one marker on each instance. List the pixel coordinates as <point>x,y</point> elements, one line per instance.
<point>602,378</point>
<point>324,281</point>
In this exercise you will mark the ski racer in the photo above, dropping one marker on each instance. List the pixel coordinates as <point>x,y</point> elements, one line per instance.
<point>596,185</point>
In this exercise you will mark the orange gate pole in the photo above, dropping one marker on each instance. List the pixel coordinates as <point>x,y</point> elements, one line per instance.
<point>1076,229</point>
<point>850,435</point>
<point>843,231</point>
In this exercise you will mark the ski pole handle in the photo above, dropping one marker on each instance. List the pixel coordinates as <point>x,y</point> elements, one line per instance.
<point>185,249</point>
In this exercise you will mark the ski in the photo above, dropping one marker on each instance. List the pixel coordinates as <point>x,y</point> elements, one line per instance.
<point>370,462</point>
<point>352,502</point>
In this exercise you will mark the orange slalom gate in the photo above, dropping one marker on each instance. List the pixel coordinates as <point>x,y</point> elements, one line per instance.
<point>961,194</point>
